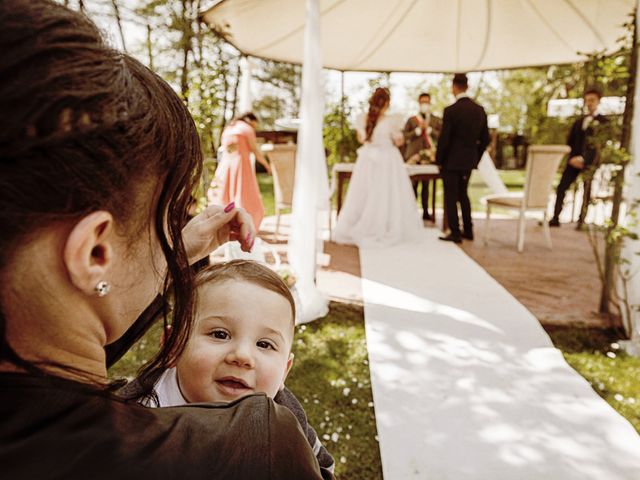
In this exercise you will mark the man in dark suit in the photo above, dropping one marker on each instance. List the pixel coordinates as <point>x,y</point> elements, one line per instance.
<point>583,154</point>
<point>464,138</point>
<point>420,131</point>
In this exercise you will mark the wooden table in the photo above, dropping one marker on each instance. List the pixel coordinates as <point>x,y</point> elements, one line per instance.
<point>425,173</point>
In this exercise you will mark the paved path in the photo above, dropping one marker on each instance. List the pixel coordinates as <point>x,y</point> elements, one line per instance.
<point>467,385</point>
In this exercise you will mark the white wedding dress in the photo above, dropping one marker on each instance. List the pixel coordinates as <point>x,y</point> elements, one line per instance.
<point>380,206</point>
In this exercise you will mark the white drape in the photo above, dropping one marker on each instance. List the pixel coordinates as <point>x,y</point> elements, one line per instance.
<point>631,247</point>
<point>311,188</point>
<point>488,172</point>
<point>245,94</point>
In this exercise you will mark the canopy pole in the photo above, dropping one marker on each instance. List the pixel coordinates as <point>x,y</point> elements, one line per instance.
<point>246,94</point>
<point>311,186</point>
<point>341,149</point>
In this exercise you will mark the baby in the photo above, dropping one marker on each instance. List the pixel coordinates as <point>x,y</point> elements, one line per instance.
<point>240,344</point>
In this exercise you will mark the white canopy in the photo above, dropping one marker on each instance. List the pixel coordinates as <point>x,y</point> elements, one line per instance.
<point>426,35</point>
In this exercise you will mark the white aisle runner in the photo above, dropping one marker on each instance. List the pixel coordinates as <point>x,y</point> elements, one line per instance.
<point>467,385</point>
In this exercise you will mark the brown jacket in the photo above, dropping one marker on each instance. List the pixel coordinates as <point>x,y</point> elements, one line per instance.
<point>413,143</point>
<point>55,428</point>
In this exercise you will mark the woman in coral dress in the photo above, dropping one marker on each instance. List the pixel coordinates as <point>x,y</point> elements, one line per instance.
<point>235,179</point>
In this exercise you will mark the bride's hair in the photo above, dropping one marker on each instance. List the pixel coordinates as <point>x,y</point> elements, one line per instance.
<point>376,103</point>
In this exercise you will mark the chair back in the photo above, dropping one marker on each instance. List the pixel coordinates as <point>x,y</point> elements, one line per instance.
<point>283,167</point>
<point>542,165</point>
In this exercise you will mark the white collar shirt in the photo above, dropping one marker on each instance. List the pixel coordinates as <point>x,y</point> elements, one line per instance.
<point>588,118</point>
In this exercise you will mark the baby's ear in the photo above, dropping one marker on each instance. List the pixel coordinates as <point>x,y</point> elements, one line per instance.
<point>286,372</point>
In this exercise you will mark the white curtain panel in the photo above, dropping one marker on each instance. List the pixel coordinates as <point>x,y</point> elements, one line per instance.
<point>245,94</point>
<point>488,173</point>
<point>311,187</point>
<point>631,248</point>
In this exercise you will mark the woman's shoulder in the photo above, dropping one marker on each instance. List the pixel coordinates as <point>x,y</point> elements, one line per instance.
<point>249,438</point>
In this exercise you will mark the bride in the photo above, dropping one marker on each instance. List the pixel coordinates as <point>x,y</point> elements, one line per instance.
<point>380,206</point>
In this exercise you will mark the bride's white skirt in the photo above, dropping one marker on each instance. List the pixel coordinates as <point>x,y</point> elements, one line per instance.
<point>380,206</point>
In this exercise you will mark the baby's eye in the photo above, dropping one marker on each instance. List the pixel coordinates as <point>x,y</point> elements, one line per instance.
<point>265,344</point>
<point>220,334</point>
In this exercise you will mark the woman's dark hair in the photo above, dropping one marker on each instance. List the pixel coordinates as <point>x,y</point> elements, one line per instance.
<point>378,100</point>
<point>246,116</point>
<point>86,128</point>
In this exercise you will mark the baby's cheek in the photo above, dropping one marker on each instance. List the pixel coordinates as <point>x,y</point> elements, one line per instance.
<point>273,377</point>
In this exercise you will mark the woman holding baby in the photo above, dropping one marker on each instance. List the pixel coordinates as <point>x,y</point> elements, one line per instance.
<point>98,161</point>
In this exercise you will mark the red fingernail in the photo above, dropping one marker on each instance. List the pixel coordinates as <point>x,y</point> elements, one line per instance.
<point>252,242</point>
<point>247,239</point>
<point>229,207</point>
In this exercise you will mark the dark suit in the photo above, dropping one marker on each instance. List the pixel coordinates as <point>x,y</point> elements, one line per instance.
<point>579,141</point>
<point>414,143</point>
<point>464,138</point>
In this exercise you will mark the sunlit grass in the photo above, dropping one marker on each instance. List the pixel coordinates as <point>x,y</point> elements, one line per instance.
<point>331,378</point>
<point>613,374</point>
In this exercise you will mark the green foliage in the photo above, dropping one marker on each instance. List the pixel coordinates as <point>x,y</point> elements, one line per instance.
<point>340,140</point>
<point>282,82</point>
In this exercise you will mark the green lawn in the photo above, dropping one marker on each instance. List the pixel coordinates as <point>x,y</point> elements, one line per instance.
<point>265,181</point>
<point>613,374</point>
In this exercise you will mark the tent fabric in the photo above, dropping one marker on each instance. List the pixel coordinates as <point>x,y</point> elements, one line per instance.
<point>311,187</point>
<point>440,36</point>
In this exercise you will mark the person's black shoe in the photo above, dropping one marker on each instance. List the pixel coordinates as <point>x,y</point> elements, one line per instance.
<point>467,236</point>
<point>451,238</point>
<point>554,222</point>
<point>427,218</point>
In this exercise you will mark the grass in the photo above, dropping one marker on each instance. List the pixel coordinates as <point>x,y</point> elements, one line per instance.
<point>613,374</point>
<point>330,377</point>
<point>265,182</point>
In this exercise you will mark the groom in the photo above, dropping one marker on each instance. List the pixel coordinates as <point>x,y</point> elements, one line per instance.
<point>463,140</point>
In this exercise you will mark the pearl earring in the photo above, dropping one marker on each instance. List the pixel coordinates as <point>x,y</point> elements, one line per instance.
<point>102,288</point>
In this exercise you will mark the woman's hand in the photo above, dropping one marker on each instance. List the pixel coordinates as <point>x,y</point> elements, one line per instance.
<point>216,226</point>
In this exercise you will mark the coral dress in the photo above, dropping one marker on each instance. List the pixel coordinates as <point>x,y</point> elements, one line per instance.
<point>235,177</point>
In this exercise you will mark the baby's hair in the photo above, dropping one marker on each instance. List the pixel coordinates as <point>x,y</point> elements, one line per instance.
<point>248,271</point>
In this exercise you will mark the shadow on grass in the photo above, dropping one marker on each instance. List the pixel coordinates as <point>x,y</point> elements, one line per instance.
<point>613,374</point>
<point>331,378</point>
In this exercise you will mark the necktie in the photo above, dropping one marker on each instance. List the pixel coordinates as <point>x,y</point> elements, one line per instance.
<point>427,142</point>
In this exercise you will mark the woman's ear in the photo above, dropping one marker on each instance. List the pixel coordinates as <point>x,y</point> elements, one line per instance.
<point>286,372</point>
<point>88,251</point>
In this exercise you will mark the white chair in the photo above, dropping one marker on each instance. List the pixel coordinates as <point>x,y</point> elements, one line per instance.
<point>283,166</point>
<point>542,165</point>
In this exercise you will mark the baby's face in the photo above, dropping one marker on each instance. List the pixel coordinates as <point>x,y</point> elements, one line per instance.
<point>240,344</point>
